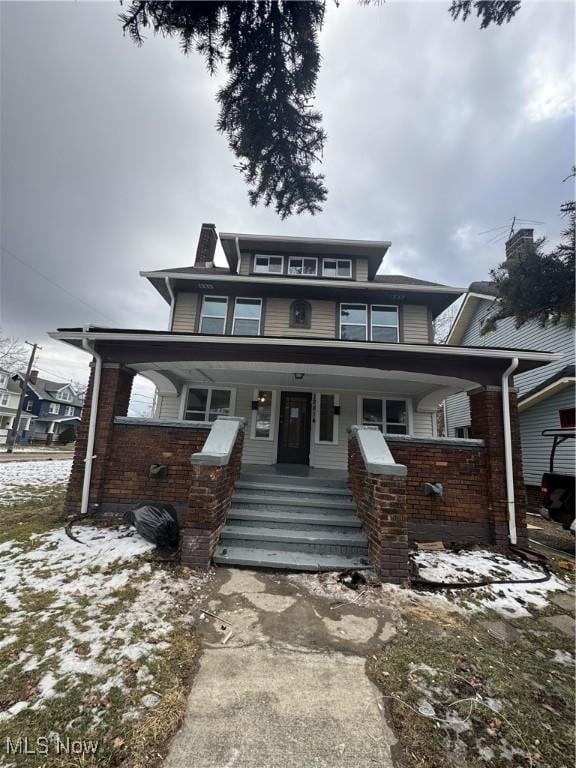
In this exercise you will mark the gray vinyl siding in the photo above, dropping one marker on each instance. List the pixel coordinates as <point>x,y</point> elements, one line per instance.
<point>323,319</point>
<point>244,266</point>
<point>362,269</point>
<point>255,451</point>
<point>185,311</point>
<point>416,326</point>
<point>457,412</point>
<point>535,448</point>
<point>335,456</point>
<point>423,424</point>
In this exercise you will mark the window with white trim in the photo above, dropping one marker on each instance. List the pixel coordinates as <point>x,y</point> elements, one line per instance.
<point>327,418</point>
<point>4,398</point>
<point>213,317</point>
<point>30,405</point>
<point>54,408</point>
<point>65,394</point>
<point>69,410</point>
<point>390,416</point>
<point>463,432</point>
<point>206,404</point>
<point>354,322</point>
<point>262,412</point>
<point>269,264</point>
<point>3,380</point>
<point>341,268</point>
<point>247,314</point>
<point>384,323</point>
<point>299,265</point>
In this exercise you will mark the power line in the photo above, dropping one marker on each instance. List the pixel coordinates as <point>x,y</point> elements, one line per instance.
<point>57,285</point>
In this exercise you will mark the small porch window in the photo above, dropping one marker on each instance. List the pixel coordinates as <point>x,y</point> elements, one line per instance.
<point>54,408</point>
<point>263,409</point>
<point>213,318</point>
<point>384,323</point>
<point>327,418</point>
<point>247,314</point>
<point>341,268</point>
<point>301,266</point>
<point>390,416</point>
<point>354,322</point>
<point>269,264</point>
<point>207,404</point>
<point>462,432</point>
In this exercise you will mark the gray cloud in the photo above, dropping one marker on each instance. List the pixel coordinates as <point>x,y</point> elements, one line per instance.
<point>111,161</point>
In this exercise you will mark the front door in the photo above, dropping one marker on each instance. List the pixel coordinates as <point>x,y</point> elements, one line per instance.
<point>294,428</point>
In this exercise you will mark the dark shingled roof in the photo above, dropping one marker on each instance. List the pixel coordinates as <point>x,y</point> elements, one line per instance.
<point>483,286</point>
<point>405,280</point>
<point>46,390</point>
<point>196,270</point>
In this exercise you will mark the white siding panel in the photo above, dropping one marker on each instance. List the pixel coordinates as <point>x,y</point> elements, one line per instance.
<point>255,451</point>
<point>457,412</point>
<point>423,424</point>
<point>416,328</point>
<point>535,448</point>
<point>185,312</point>
<point>169,407</point>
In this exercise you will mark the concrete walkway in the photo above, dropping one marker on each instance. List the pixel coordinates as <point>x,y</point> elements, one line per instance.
<point>288,688</point>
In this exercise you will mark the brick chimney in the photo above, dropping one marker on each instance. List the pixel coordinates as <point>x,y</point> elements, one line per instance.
<point>206,246</point>
<point>520,242</point>
<point>33,377</point>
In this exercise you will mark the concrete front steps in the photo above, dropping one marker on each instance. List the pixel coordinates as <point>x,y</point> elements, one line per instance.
<point>292,523</point>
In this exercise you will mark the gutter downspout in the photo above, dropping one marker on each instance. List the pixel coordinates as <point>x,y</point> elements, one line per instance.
<point>91,425</point>
<point>509,466</point>
<point>238,256</point>
<point>172,302</point>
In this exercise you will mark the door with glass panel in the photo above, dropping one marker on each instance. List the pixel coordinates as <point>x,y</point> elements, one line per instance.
<point>294,428</point>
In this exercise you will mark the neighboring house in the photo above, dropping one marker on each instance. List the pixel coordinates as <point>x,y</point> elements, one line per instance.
<point>545,395</point>
<point>9,398</point>
<point>53,407</point>
<point>299,374</point>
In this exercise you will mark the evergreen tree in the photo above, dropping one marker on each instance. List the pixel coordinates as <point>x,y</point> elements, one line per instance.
<point>536,285</point>
<point>269,49</point>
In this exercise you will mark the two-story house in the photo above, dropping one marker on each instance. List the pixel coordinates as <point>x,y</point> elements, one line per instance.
<point>9,399</point>
<point>546,395</point>
<point>53,407</point>
<point>295,422</point>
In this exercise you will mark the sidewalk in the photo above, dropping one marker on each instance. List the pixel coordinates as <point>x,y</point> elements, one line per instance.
<point>34,455</point>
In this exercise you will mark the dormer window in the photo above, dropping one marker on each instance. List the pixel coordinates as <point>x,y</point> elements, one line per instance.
<point>340,268</point>
<point>300,314</point>
<point>269,264</point>
<point>302,266</point>
<point>65,394</point>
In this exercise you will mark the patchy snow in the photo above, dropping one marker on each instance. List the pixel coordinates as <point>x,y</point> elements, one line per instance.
<point>98,631</point>
<point>511,600</point>
<point>21,480</point>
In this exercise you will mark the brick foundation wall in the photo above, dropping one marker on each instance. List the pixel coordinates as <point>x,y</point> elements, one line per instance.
<point>381,503</point>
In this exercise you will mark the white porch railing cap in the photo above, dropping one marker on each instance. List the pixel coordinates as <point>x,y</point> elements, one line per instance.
<point>220,442</point>
<point>375,452</point>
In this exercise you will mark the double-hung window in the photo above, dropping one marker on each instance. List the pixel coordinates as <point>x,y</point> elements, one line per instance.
<point>383,323</point>
<point>327,418</point>
<point>69,410</point>
<point>247,315</point>
<point>262,411</point>
<point>4,398</point>
<point>3,380</point>
<point>354,322</point>
<point>54,409</point>
<point>213,317</point>
<point>29,405</point>
<point>269,264</point>
<point>204,404</point>
<point>341,268</point>
<point>389,416</point>
<point>302,266</point>
<point>65,394</point>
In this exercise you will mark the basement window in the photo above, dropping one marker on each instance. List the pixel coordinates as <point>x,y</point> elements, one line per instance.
<point>204,404</point>
<point>390,416</point>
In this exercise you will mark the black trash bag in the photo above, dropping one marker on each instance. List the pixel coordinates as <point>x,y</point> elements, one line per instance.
<point>156,523</point>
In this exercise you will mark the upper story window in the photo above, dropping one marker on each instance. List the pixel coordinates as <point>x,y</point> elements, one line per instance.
<point>69,411</point>
<point>29,405</point>
<point>384,323</point>
<point>341,268</point>
<point>54,408</point>
<point>213,317</point>
<point>302,266</point>
<point>356,318</point>
<point>247,315</point>
<point>354,322</point>
<point>300,314</point>
<point>269,264</point>
<point>4,398</point>
<point>3,380</point>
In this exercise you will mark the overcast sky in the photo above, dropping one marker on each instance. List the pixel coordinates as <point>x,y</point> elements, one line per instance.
<point>437,131</point>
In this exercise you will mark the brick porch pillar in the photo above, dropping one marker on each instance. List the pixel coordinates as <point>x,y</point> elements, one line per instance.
<point>488,425</point>
<point>115,390</point>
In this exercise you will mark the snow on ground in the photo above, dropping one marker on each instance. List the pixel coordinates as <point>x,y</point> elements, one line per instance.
<point>511,600</point>
<point>95,630</point>
<point>21,480</point>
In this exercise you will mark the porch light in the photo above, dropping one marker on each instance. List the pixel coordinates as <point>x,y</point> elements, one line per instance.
<point>298,376</point>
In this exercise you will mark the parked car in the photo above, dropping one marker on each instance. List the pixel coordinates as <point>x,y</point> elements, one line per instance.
<point>558,487</point>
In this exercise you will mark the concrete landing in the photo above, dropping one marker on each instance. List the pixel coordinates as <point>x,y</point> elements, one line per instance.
<point>288,688</point>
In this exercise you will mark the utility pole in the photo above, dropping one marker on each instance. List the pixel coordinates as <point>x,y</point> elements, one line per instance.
<point>16,425</point>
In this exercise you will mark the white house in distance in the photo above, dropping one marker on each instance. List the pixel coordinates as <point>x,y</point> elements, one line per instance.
<point>546,395</point>
<point>9,397</point>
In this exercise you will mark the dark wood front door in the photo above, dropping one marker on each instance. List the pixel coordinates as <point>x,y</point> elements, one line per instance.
<point>294,428</point>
